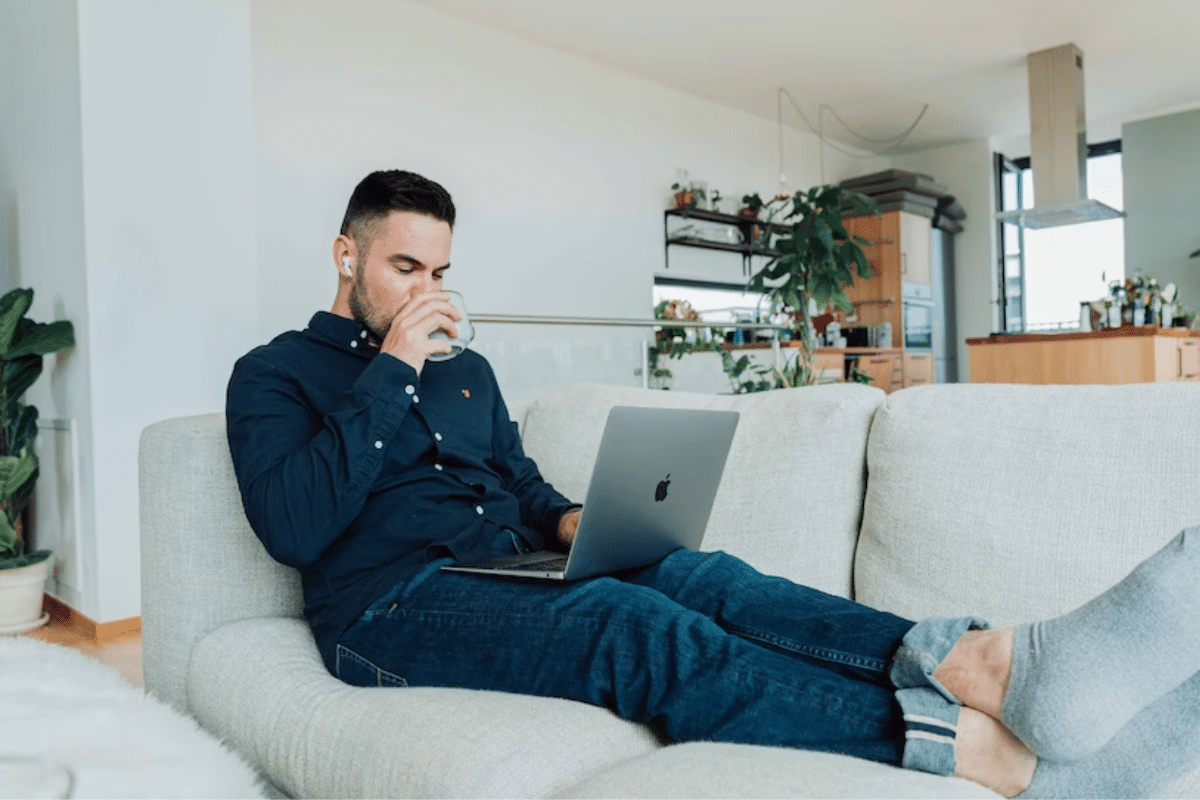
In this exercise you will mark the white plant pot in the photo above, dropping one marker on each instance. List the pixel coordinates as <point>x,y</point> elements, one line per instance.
<point>21,591</point>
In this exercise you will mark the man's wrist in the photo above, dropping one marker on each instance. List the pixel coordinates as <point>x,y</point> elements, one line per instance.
<point>558,531</point>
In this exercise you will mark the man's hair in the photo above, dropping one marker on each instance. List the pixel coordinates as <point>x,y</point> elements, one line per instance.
<point>383,192</point>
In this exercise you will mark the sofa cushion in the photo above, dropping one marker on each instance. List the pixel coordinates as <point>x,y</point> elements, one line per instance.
<point>260,685</point>
<point>790,500</point>
<point>1021,502</point>
<point>706,769</point>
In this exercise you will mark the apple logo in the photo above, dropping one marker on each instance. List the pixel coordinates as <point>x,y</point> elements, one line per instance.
<point>660,492</point>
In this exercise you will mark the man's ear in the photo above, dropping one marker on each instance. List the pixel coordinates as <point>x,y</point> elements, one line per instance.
<point>344,255</point>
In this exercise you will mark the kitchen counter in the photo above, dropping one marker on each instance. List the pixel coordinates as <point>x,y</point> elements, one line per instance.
<point>1106,333</point>
<point>1130,354</point>
<point>890,368</point>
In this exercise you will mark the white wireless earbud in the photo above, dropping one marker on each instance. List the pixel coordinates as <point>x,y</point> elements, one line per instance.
<point>346,265</point>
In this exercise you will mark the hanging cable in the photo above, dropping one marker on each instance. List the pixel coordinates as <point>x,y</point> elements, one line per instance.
<point>820,131</point>
<point>897,138</point>
<point>779,118</point>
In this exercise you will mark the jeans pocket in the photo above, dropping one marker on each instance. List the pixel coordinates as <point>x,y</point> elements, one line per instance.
<point>358,671</point>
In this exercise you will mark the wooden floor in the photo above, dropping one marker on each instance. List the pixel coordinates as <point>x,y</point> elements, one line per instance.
<point>123,654</point>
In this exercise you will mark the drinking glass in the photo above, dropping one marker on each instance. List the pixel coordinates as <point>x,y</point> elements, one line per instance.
<point>464,331</point>
<point>31,776</point>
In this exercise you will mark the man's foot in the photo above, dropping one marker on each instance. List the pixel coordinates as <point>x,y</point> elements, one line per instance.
<point>1077,679</point>
<point>1157,747</point>
<point>987,753</point>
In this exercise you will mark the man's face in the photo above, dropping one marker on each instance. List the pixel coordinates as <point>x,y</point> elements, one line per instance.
<point>406,257</point>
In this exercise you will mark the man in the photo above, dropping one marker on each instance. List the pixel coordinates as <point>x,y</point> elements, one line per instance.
<point>367,467</point>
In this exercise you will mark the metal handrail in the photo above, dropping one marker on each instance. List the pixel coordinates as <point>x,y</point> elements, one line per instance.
<point>637,323</point>
<point>628,323</point>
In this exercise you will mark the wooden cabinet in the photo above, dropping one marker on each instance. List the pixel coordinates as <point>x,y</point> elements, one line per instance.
<point>901,253</point>
<point>1119,355</point>
<point>878,299</point>
<point>885,369</point>
<point>1176,359</point>
<point>918,369</point>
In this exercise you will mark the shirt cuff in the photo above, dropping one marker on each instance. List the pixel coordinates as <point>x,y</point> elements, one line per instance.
<point>386,376</point>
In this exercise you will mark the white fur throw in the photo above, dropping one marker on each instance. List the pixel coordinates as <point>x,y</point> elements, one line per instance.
<point>116,740</point>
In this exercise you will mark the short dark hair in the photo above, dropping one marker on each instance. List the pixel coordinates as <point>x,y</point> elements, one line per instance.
<point>385,191</point>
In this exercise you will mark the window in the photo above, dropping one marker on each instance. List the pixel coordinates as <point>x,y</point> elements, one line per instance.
<point>715,302</point>
<point>1045,274</point>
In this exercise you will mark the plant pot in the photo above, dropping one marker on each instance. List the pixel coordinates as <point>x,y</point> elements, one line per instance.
<point>685,200</point>
<point>21,591</point>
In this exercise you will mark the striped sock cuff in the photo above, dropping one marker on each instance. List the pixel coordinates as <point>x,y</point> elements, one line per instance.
<point>930,728</point>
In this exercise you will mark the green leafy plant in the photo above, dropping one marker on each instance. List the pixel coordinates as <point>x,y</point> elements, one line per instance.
<point>23,343</point>
<point>817,257</point>
<point>674,342</point>
<point>751,205</point>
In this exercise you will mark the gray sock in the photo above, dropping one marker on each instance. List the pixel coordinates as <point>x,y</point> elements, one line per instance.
<point>1078,678</point>
<point>1158,746</point>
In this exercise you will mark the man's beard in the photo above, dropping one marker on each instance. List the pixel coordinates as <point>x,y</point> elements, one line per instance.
<point>362,310</point>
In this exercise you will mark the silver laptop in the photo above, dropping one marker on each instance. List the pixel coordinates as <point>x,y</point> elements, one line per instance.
<point>651,493</point>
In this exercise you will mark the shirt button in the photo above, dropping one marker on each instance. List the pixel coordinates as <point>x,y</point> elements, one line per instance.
<point>378,444</point>
<point>362,335</point>
<point>479,510</point>
<point>410,389</point>
<point>354,344</point>
<point>416,399</point>
<point>438,467</point>
<point>437,436</point>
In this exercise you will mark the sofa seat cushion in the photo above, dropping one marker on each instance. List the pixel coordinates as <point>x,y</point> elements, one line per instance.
<point>1018,503</point>
<point>705,769</point>
<point>790,500</point>
<point>260,685</point>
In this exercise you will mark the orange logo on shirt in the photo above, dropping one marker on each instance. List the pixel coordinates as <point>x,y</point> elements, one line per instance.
<point>467,393</point>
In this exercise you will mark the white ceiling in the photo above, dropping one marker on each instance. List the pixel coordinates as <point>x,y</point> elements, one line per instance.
<point>875,62</point>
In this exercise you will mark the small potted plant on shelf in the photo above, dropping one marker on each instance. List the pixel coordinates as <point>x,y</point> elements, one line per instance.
<point>689,193</point>
<point>23,343</point>
<point>751,206</point>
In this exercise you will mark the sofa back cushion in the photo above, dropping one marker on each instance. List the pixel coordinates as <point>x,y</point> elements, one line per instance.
<point>790,500</point>
<point>1021,502</point>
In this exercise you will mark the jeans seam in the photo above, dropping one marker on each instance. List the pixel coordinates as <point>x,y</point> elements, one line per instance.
<point>393,680</point>
<point>821,653</point>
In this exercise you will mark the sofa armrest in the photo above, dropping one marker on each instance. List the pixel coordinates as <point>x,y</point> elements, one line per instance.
<point>202,565</point>
<point>261,686</point>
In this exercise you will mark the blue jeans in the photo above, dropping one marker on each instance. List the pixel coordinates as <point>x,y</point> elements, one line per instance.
<point>699,646</point>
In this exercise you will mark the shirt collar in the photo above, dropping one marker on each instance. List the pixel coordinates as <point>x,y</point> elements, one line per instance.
<point>347,334</point>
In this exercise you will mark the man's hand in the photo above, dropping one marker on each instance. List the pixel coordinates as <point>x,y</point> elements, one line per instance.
<point>568,523</point>
<point>408,337</point>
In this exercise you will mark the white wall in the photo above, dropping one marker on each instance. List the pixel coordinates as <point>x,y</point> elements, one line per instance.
<point>966,170</point>
<point>1162,192</point>
<point>42,245</point>
<point>127,187</point>
<point>560,169</point>
<point>171,252</point>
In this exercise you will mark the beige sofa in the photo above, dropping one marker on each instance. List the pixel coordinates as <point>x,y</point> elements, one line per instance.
<point>1012,502</point>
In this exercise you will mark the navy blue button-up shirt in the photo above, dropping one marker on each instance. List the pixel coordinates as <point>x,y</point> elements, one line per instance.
<point>356,470</point>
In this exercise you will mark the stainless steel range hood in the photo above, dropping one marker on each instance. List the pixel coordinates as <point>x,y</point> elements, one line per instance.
<point>1058,143</point>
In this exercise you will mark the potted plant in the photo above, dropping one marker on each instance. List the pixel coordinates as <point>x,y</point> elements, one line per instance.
<point>688,195</point>
<point>817,257</point>
<point>23,343</point>
<point>751,205</point>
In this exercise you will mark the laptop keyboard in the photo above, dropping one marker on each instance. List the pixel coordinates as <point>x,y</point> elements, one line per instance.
<point>542,565</point>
